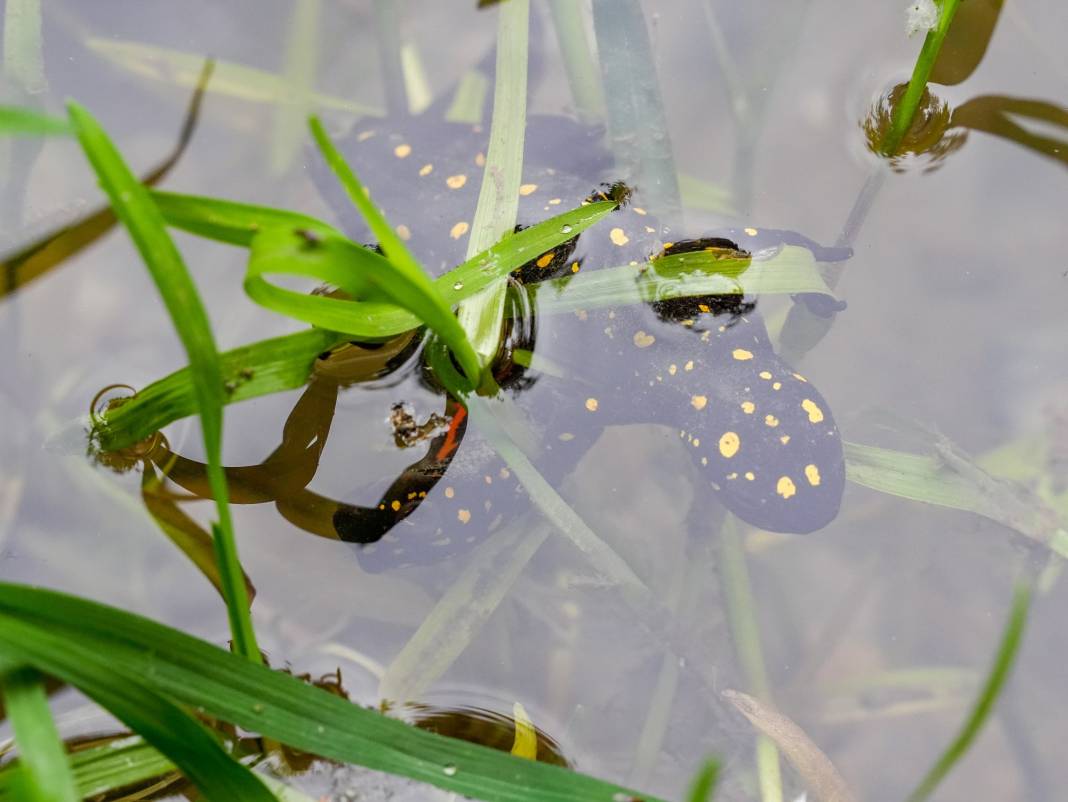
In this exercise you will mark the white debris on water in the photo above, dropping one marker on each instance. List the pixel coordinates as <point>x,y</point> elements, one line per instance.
<point>921,15</point>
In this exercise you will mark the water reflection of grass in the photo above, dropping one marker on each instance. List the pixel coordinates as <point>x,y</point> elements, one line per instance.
<point>151,674</point>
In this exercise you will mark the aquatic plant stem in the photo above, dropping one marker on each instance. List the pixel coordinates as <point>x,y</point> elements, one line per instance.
<point>578,63</point>
<point>904,112</point>
<point>984,704</point>
<point>498,199</point>
<point>134,208</point>
<point>745,630</point>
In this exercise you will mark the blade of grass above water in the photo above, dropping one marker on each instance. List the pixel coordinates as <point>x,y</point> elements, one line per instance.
<point>498,200</point>
<point>180,68</point>
<point>134,208</point>
<point>399,276</point>
<point>66,635</point>
<point>1011,639</point>
<point>43,769</point>
<point>19,121</point>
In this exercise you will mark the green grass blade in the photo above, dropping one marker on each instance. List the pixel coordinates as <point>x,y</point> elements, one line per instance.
<point>180,68</point>
<point>135,209</point>
<point>23,51</point>
<point>401,277</point>
<point>73,639</point>
<point>18,121</point>
<point>231,222</point>
<point>703,783</point>
<point>44,770</point>
<point>498,198</point>
<point>948,478</point>
<point>984,704</point>
<point>99,769</point>
<point>637,125</point>
<point>905,111</point>
<point>570,25</point>
<point>298,74</point>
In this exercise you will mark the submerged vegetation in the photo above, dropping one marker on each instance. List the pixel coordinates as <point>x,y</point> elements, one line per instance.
<point>211,716</point>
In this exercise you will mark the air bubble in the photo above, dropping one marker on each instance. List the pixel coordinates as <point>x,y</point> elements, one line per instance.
<point>449,770</point>
<point>565,230</point>
<point>459,285</point>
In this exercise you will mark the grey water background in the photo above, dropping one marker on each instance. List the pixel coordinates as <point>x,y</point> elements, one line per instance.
<point>955,322</point>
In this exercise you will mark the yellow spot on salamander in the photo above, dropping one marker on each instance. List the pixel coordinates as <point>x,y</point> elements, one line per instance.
<point>426,170</point>
<point>456,181</point>
<point>673,369</point>
<point>750,476</point>
<point>729,444</point>
<point>463,516</point>
<point>480,160</point>
<point>643,340</point>
<point>363,136</point>
<point>528,189</point>
<point>699,401</point>
<point>752,232</point>
<point>402,151</point>
<point>765,374</point>
<point>449,492</point>
<point>812,473</point>
<point>771,420</point>
<point>640,210</point>
<point>566,437</point>
<point>488,478</point>
<point>404,232</point>
<point>618,236</point>
<point>505,473</point>
<point>776,385</point>
<point>650,230</point>
<point>815,414</point>
<point>394,505</point>
<point>688,365</point>
<point>748,407</point>
<point>459,229</point>
<point>784,439</point>
<point>545,260</point>
<point>696,442</point>
<point>591,404</point>
<point>555,201</point>
<point>704,460</point>
<point>800,378</point>
<point>785,487</point>
<point>575,267</point>
<point>741,354</point>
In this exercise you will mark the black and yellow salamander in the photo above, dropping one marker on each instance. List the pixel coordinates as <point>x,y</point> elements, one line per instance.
<point>761,434</point>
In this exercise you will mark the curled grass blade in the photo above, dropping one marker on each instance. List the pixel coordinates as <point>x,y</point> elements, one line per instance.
<point>44,773</point>
<point>71,638</point>
<point>399,276</point>
<point>984,704</point>
<point>18,121</point>
<point>231,222</point>
<point>134,208</point>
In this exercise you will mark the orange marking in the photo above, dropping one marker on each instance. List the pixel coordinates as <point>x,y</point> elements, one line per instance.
<point>452,437</point>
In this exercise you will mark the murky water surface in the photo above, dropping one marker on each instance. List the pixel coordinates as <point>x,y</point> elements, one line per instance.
<point>875,629</point>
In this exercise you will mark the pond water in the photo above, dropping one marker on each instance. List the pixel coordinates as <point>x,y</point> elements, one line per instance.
<point>874,631</point>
